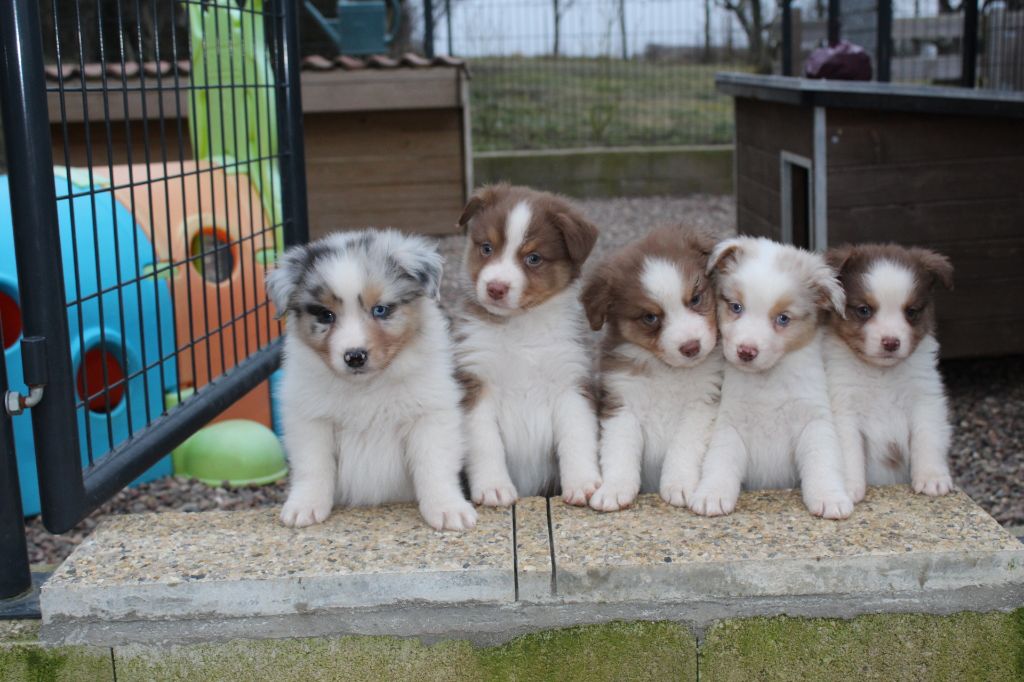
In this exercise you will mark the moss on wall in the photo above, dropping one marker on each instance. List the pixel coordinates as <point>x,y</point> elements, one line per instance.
<point>23,659</point>
<point>963,646</point>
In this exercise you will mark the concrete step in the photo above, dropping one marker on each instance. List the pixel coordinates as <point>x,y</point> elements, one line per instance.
<point>217,576</point>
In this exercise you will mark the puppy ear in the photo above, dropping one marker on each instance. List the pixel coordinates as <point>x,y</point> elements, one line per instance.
<point>596,298</point>
<point>578,233</point>
<point>483,197</point>
<point>831,295</point>
<point>420,260</point>
<point>723,253</point>
<point>701,241</point>
<point>837,258</point>
<point>935,264</point>
<point>283,280</point>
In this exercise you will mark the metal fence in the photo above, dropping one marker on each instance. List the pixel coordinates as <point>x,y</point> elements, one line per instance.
<point>155,167</point>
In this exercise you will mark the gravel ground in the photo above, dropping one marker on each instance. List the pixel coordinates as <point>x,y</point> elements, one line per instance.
<point>986,396</point>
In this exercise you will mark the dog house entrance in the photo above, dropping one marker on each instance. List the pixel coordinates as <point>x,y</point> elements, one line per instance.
<point>797,200</point>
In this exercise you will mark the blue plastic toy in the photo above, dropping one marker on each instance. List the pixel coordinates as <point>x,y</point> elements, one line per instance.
<point>142,309</point>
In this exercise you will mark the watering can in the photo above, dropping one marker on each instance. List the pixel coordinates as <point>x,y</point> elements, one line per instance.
<point>360,27</point>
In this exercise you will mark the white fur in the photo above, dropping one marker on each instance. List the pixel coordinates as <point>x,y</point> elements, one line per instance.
<point>775,427</point>
<point>530,427</point>
<point>392,435</point>
<point>655,442</point>
<point>877,406</point>
<point>891,285</point>
<point>506,268</point>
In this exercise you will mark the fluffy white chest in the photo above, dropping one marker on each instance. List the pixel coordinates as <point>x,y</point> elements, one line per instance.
<point>769,410</point>
<point>526,364</point>
<point>660,400</point>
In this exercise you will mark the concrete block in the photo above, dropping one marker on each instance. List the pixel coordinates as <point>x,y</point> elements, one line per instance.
<point>962,646</point>
<point>24,659</point>
<point>613,651</point>
<point>533,549</point>
<point>246,564</point>
<point>896,546</point>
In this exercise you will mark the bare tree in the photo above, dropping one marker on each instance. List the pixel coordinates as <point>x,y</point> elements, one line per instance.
<point>622,29</point>
<point>753,20</point>
<point>560,7</point>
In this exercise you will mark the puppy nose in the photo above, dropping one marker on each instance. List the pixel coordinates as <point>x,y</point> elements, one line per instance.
<point>690,348</point>
<point>891,344</point>
<point>497,290</point>
<point>355,358</point>
<point>747,353</point>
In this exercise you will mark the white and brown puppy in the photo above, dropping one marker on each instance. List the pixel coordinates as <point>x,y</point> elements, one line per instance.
<point>774,426</point>
<point>881,360</point>
<point>522,355</point>
<point>369,400</point>
<point>661,370</point>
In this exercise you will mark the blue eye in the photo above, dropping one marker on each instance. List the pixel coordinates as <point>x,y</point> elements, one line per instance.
<point>650,319</point>
<point>736,308</point>
<point>381,311</point>
<point>864,311</point>
<point>533,260</point>
<point>782,320</point>
<point>486,249</point>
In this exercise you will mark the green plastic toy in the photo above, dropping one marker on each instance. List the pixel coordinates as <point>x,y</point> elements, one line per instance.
<point>235,453</point>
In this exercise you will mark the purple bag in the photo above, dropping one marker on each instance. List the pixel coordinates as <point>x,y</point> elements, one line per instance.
<point>843,61</point>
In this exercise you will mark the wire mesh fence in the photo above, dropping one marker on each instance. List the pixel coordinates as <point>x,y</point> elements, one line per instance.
<point>168,164</point>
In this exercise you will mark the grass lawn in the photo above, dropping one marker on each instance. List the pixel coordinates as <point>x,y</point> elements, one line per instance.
<point>547,103</point>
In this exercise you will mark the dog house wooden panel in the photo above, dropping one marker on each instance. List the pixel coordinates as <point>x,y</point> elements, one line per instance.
<point>917,165</point>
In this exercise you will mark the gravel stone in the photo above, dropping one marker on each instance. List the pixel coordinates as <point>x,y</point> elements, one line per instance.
<point>986,397</point>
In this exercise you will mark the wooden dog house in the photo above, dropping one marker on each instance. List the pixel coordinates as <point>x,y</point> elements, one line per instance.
<point>822,163</point>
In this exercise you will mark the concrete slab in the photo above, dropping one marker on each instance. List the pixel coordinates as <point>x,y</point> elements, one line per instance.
<point>896,542</point>
<point>246,564</point>
<point>533,549</point>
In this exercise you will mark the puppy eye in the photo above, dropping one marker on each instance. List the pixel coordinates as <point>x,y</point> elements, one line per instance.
<point>380,311</point>
<point>486,249</point>
<point>650,319</point>
<point>783,319</point>
<point>697,298</point>
<point>322,315</point>
<point>864,311</point>
<point>533,259</point>
<point>736,308</point>
<point>912,313</point>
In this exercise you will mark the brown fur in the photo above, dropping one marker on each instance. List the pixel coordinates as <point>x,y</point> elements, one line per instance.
<point>614,295</point>
<point>852,263</point>
<point>472,388</point>
<point>557,232</point>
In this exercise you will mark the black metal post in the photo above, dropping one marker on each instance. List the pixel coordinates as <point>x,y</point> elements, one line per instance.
<point>37,249</point>
<point>787,38</point>
<point>289,93</point>
<point>970,43</point>
<point>833,22</point>
<point>883,52</point>
<point>15,576</point>
<point>428,28</point>
<point>448,24</point>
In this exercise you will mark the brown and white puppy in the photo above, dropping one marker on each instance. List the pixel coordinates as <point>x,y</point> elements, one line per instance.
<point>521,351</point>
<point>661,370</point>
<point>881,360</point>
<point>369,400</point>
<point>774,427</point>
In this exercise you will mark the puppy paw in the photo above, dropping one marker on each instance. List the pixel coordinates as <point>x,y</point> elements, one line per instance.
<point>495,494</point>
<point>455,514</point>
<point>676,492</point>
<point>834,506</point>
<point>579,493</point>
<point>300,512</point>
<point>933,484</point>
<point>856,492</point>
<point>613,496</point>
<point>713,502</point>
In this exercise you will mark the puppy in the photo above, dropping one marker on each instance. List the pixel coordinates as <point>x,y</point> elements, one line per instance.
<point>521,350</point>
<point>661,370</point>
<point>369,400</point>
<point>887,395</point>
<point>775,425</point>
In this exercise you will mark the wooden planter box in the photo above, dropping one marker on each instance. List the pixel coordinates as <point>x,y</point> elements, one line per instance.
<point>822,163</point>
